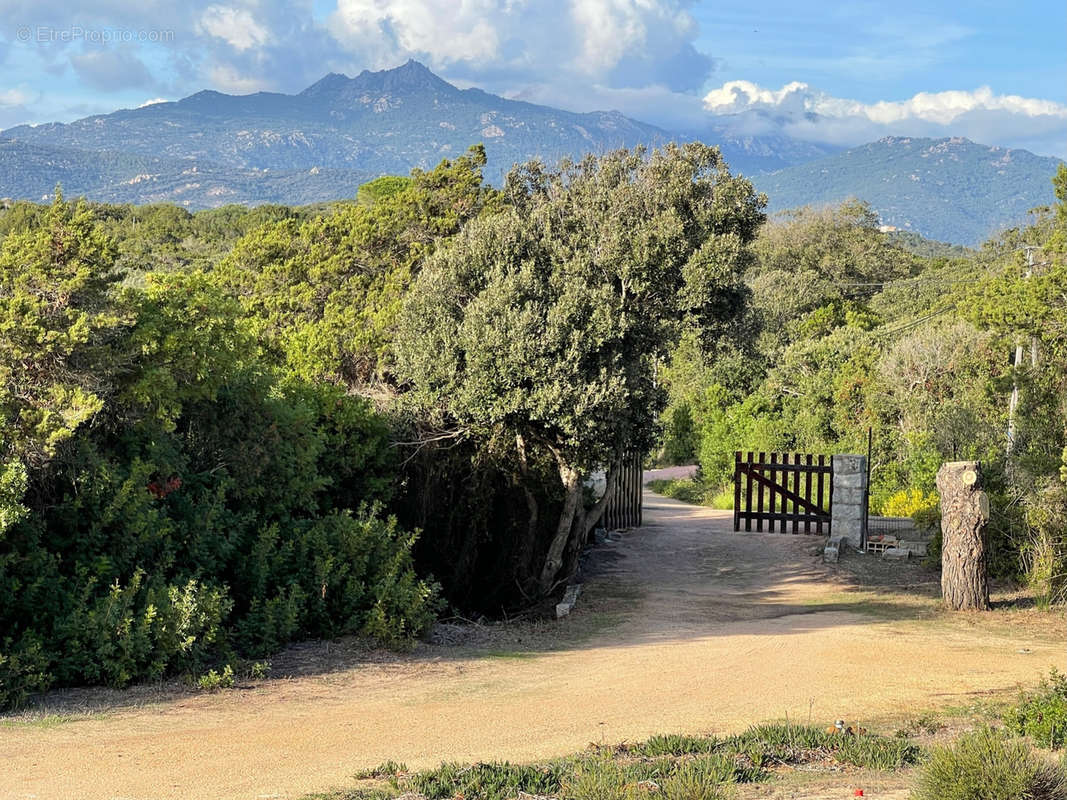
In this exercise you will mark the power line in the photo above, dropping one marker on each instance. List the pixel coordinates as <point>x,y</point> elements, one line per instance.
<point>914,323</point>
<point>921,279</point>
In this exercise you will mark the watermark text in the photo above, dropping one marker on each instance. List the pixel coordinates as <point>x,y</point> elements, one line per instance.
<point>49,34</point>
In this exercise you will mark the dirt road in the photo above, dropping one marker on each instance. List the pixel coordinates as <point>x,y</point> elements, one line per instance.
<point>684,627</point>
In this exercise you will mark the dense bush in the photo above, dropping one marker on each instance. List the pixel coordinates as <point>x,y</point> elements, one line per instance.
<point>167,499</point>
<point>987,765</point>
<point>1045,547</point>
<point>680,440</point>
<point>846,332</point>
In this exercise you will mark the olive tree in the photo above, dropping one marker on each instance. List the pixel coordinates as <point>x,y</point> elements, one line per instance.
<point>543,323</point>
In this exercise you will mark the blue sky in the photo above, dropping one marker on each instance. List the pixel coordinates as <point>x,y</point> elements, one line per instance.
<point>878,51</point>
<point>839,73</point>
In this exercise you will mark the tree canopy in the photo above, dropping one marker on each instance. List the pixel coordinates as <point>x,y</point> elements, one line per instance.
<point>545,321</point>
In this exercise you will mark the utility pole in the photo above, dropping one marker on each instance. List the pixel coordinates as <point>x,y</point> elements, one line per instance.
<point>1014,402</point>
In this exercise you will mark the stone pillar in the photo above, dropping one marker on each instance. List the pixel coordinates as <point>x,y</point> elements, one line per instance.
<point>848,514</point>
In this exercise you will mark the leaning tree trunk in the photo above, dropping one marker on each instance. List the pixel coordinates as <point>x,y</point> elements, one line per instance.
<point>572,485</point>
<point>964,513</point>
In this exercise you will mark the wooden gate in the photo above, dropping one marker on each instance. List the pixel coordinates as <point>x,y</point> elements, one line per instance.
<point>793,491</point>
<point>623,509</point>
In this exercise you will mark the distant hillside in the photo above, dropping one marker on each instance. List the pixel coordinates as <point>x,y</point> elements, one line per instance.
<point>374,124</point>
<point>919,245</point>
<point>952,190</point>
<point>211,149</point>
<point>318,144</point>
<point>29,171</point>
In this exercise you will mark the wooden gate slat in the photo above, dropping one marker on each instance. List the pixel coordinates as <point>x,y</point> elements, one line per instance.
<point>737,490</point>
<point>818,525</point>
<point>796,490</point>
<point>807,490</point>
<point>761,482</point>
<point>773,494</point>
<point>748,495</point>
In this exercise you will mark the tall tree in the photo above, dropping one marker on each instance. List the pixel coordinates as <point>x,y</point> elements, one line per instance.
<point>325,293</point>
<point>57,324</point>
<point>544,322</point>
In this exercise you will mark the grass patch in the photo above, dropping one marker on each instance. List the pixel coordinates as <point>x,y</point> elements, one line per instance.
<point>665,767</point>
<point>509,655</point>
<point>387,769</point>
<point>44,722</point>
<point>495,781</point>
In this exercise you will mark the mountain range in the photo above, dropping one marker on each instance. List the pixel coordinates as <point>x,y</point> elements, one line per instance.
<point>210,149</point>
<point>952,190</point>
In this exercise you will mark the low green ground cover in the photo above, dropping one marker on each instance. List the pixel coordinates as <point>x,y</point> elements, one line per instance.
<point>992,761</point>
<point>665,766</point>
<point>693,490</point>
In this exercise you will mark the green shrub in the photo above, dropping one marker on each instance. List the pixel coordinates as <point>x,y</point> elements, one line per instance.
<point>1044,551</point>
<point>680,437</point>
<point>600,779</point>
<point>23,671</point>
<point>687,490</point>
<point>495,781</point>
<point>791,743</point>
<point>693,782</point>
<point>1042,714</point>
<point>212,681</point>
<point>674,745</point>
<point>258,670</point>
<point>723,499</point>
<point>986,765</point>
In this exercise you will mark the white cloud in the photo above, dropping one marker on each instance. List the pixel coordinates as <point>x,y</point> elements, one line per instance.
<point>227,78</point>
<point>13,97</point>
<point>617,43</point>
<point>235,26</point>
<point>449,30</point>
<point>153,101</point>
<point>806,112</point>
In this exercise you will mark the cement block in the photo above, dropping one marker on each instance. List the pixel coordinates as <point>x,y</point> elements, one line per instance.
<point>896,554</point>
<point>850,480</point>
<point>846,512</point>
<point>570,599</point>
<point>848,496</point>
<point>849,464</point>
<point>835,546</point>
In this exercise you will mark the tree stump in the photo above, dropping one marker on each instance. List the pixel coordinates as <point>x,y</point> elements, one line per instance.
<point>964,513</point>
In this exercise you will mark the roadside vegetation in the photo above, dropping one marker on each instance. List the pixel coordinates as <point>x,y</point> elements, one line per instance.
<point>226,431</point>
<point>223,432</point>
<point>846,331</point>
<point>669,766</point>
<point>984,760</point>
